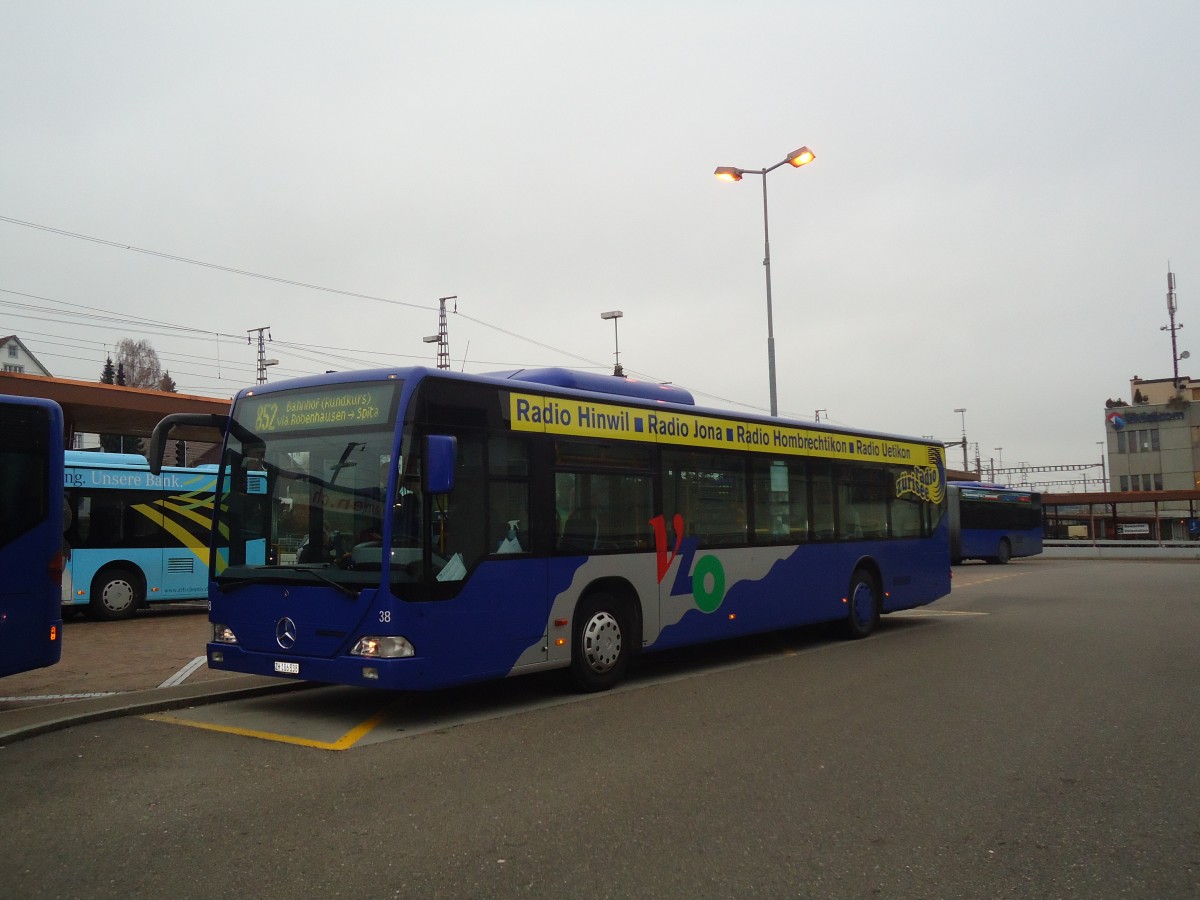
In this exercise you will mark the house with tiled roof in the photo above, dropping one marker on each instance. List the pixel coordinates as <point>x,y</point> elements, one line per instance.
<point>15,357</point>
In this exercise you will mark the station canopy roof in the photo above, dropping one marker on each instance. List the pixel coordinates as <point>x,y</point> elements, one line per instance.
<point>94,408</point>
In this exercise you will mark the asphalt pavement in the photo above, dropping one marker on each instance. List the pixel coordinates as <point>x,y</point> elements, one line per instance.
<point>1026,737</point>
<point>149,663</point>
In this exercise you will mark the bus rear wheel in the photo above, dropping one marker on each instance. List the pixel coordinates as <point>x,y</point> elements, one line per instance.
<point>863,600</point>
<point>1003,553</point>
<point>115,595</point>
<point>601,642</point>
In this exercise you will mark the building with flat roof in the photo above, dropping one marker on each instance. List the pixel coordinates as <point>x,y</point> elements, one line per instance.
<point>1153,450</point>
<point>1153,442</point>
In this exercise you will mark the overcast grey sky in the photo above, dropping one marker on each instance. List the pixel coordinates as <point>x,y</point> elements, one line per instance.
<point>997,192</point>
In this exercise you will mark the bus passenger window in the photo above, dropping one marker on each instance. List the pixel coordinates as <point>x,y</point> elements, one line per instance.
<point>862,502</point>
<point>509,516</point>
<point>822,501</point>
<point>603,511</point>
<point>780,501</point>
<point>907,509</point>
<point>709,491</point>
<point>581,531</point>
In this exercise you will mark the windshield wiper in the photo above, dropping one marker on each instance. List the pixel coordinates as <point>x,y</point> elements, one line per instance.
<point>229,587</point>
<point>325,578</point>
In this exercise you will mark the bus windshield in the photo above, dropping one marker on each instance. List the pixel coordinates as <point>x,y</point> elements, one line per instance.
<point>305,487</point>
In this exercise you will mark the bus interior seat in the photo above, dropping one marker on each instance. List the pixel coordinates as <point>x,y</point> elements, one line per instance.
<point>581,532</point>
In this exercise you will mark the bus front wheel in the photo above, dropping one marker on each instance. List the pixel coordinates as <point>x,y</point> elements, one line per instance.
<point>601,642</point>
<point>114,595</point>
<point>863,600</point>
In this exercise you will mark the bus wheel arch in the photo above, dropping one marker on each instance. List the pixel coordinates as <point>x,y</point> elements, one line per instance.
<point>864,599</point>
<point>117,590</point>
<point>605,634</point>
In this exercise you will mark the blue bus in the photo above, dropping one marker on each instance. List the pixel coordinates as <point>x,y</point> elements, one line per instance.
<point>992,522</point>
<point>417,528</point>
<point>136,537</point>
<point>31,533</point>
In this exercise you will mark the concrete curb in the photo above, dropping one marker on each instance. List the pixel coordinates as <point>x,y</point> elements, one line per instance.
<point>1133,552</point>
<point>19,724</point>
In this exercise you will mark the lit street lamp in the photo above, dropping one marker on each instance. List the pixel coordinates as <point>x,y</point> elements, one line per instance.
<point>796,158</point>
<point>615,314</point>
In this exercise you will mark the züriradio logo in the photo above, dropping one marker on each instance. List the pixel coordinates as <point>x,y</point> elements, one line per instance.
<point>1116,420</point>
<point>924,482</point>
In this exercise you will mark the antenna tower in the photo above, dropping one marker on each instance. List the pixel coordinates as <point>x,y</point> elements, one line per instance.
<point>1172,327</point>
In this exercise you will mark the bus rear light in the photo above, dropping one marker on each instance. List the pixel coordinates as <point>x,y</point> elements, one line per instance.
<point>53,633</point>
<point>384,647</point>
<point>57,563</point>
<point>223,634</point>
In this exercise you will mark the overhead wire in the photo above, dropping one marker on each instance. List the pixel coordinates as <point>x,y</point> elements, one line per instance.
<point>346,293</point>
<point>208,265</point>
<point>103,315</point>
<point>280,280</point>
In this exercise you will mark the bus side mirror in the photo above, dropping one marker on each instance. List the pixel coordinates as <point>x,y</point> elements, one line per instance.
<point>440,453</point>
<point>158,439</point>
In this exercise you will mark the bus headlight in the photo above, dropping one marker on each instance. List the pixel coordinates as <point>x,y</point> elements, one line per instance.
<point>384,647</point>
<point>223,634</point>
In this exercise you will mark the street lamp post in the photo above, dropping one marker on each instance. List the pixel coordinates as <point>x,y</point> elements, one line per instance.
<point>796,158</point>
<point>615,314</point>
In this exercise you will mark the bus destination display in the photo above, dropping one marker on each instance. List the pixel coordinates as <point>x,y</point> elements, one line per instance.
<point>339,406</point>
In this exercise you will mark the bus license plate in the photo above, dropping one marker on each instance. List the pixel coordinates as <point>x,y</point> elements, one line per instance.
<point>287,668</point>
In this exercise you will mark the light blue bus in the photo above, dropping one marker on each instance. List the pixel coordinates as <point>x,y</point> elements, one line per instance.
<point>136,538</point>
<point>31,533</point>
<point>416,528</point>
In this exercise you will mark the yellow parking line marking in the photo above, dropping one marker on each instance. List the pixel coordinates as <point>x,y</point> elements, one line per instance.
<point>345,742</point>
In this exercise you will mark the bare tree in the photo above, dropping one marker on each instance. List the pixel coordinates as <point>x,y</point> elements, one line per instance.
<point>142,368</point>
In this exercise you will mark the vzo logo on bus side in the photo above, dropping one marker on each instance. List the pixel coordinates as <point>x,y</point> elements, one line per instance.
<point>707,579</point>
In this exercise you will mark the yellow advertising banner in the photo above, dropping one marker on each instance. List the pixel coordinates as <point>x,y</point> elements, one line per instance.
<point>585,418</point>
